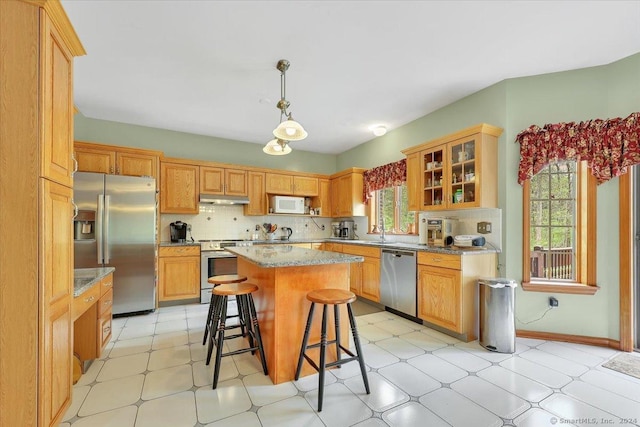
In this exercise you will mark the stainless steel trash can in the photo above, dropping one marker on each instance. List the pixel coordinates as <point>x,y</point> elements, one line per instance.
<point>497,314</point>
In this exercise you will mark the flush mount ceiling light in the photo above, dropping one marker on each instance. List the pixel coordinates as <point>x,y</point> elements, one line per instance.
<point>289,129</point>
<point>378,130</point>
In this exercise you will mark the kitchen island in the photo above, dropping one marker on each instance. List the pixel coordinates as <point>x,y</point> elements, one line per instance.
<point>285,274</point>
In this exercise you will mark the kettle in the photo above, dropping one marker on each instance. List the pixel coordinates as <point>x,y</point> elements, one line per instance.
<point>287,231</point>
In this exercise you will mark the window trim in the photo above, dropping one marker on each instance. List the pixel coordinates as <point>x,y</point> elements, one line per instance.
<point>585,283</point>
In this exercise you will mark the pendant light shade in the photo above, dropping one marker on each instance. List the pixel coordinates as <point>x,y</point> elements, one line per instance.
<point>277,147</point>
<point>290,130</point>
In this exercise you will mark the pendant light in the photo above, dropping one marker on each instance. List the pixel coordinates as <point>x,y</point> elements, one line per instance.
<point>289,129</point>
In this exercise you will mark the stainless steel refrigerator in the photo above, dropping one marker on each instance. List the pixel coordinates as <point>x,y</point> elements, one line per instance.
<point>116,227</point>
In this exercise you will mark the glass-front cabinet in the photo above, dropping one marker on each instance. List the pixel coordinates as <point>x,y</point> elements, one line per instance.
<point>456,171</point>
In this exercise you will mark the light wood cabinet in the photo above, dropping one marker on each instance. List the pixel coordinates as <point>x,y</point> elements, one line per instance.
<point>115,160</point>
<point>178,273</point>
<point>365,276</point>
<point>456,171</point>
<point>447,290</point>
<point>347,191</point>
<point>323,199</point>
<point>179,188</point>
<point>257,194</point>
<point>57,284</point>
<point>38,45</point>
<point>231,182</point>
<point>92,315</point>
<point>291,185</point>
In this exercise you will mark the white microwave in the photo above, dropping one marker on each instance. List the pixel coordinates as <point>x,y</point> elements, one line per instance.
<point>286,204</point>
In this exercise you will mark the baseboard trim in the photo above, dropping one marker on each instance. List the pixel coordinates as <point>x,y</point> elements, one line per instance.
<point>576,339</point>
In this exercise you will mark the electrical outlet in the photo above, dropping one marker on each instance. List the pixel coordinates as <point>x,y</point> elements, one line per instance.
<point>553,302</point>
<point>484,227</point>
<point>322,227</point>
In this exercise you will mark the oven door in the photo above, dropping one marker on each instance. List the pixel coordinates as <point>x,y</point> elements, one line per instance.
<point>214,263</point>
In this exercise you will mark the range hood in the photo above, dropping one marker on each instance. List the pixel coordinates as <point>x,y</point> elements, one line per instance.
<point>221,199</point>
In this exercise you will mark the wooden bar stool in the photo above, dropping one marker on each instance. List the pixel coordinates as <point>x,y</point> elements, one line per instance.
<point>333,297</point>
<point>219,280</point>
<point>247,316</point>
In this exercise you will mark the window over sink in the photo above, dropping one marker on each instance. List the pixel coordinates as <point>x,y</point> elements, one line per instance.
<point>388,208</point>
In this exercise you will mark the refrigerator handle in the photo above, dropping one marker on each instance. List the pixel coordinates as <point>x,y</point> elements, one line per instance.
<point>99,233</point>
<point>107,247</point>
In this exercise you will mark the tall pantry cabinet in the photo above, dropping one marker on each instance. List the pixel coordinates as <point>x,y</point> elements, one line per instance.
<point>37,46</point>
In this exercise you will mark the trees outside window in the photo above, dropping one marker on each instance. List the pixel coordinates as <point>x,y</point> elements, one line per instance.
<point>559,229</point>
<point>388,207</point>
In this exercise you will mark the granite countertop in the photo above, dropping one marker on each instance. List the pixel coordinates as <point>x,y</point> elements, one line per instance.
<point>187,243</point>
<point>85,278</point>
<point>452,250</point>
<point>290,256</point>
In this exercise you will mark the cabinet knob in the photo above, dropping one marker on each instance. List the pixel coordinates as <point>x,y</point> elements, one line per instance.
<point>108,284</point>
<point>91,298</point>
<point>436,259</point>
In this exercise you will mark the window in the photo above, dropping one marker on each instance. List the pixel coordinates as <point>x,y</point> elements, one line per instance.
<point>559,229</point>
<point>388,207</point>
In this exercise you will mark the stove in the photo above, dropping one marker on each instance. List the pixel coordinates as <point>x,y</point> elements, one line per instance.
<point>214,261</point>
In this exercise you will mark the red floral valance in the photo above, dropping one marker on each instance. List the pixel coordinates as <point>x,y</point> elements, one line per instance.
<point>389,175</point>
<point>609,146</point>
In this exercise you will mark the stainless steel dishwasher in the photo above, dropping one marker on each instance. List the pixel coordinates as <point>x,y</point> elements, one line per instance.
<point>398,289</point>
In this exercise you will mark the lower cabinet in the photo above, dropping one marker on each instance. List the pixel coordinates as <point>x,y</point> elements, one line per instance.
<point>92,314</point>
<point>365,276</point>
<point>447,290</point>
<point>178,272</point>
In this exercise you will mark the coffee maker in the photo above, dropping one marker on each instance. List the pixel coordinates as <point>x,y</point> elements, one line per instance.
<point>437,231</point>
<point>347,229</point>
<point>178,231</point>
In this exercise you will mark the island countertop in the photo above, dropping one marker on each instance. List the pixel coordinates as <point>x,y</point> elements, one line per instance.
<point>290,256</point>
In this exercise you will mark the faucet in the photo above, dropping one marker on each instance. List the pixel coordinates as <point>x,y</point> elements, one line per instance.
<point>382,236</point>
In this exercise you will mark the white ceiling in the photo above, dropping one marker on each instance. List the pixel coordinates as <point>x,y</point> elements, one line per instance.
<point>208,67</point>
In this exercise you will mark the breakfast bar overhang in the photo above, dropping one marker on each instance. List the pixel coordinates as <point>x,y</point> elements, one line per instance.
<point>285,274</point>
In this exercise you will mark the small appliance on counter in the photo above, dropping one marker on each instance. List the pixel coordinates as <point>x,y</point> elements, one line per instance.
<point>178,231</point>
<point>286,233</point>
<point>346,228</point>
<point>437,231</point>
<point>468,240</point>
<point>335,229</point>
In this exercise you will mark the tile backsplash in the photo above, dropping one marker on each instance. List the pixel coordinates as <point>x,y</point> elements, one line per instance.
<point>469,218</point>
<point>219,222</point>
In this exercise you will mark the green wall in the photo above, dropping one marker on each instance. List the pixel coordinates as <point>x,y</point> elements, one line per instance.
<point>191,146</point>
<point>599,92</point>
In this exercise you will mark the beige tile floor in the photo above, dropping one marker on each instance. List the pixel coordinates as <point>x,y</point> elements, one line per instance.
<point>153,374</point>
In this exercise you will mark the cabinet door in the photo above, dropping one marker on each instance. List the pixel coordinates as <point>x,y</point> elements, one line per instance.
<point>414,182</point>
<point>323,200</point>
<point>279,184</point>
<point>236,182</point>
<point>211,180</point>
<point>371,279</point>
<point>440,297</point>
<point>56,276</point>
<point>462,173</point>
<point>95,160</point>
<point>344,196</point>
<point>257,195</point>
<point>434,179</point>
<point>355,278</point>
<point>57,83</point>
<point>134,164</point>
<point>305,186</point>
<point>335,197</point>
<point>178,278</point>
<point>179,188</point>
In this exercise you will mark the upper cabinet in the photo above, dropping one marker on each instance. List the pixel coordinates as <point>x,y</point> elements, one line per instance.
<point>231,182</point>
<point>257,194</point>
<point>322,202</point>
<point>109,159</point>
<point>346,193</point>
<point>456,171</point>
<point>295,185</point>
<point>179,192</point>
